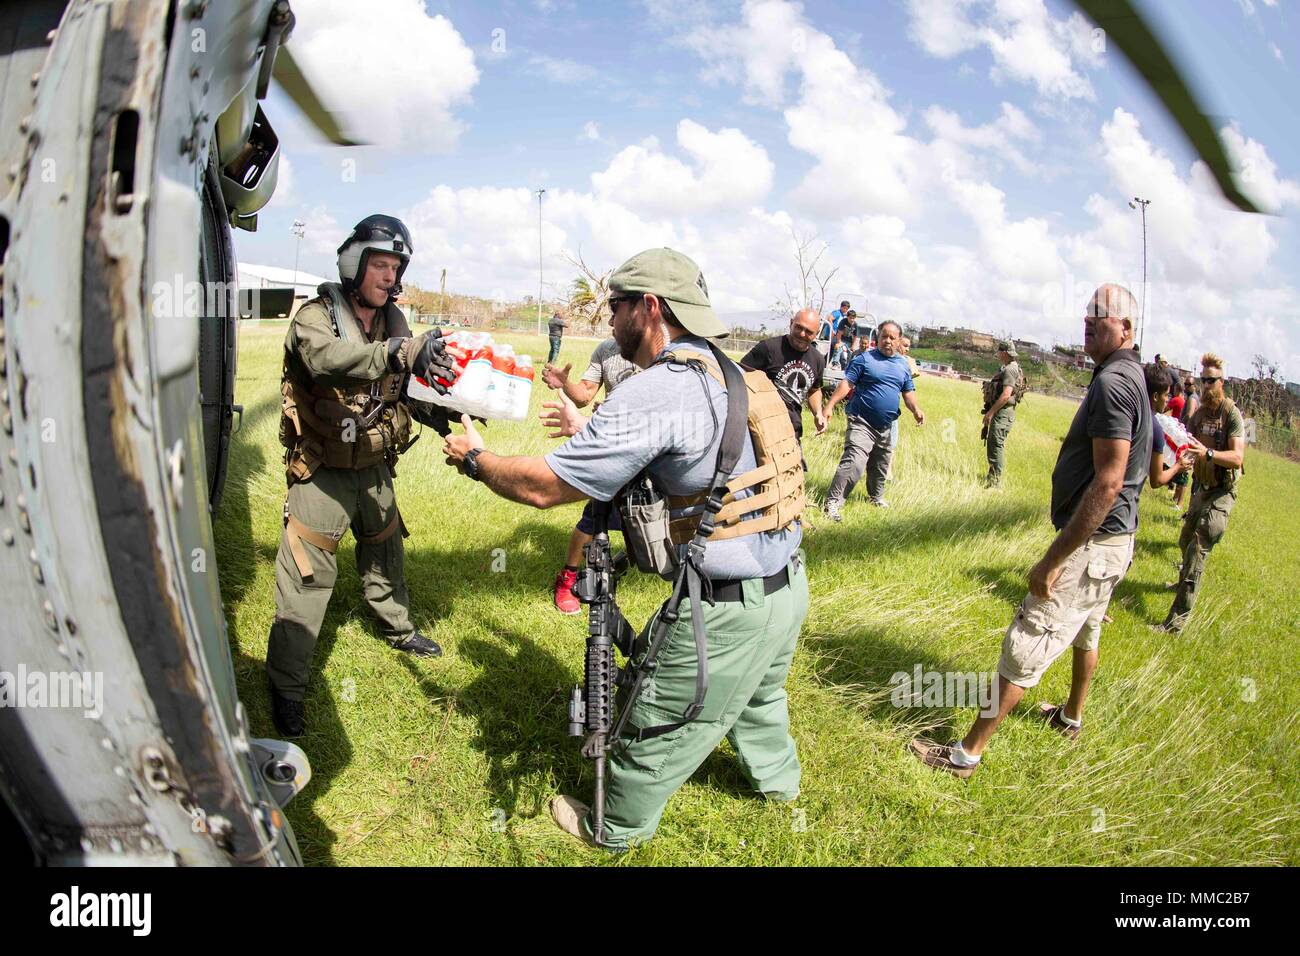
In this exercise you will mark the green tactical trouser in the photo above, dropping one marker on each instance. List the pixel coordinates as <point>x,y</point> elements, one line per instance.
<point>999,429</point>
<point>750,646</point>
<point>329,503</point>
<point>1203,525</point>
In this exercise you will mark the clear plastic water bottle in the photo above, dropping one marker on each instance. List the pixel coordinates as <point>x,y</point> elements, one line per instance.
<point>498,394</point>
<point>521,388</point>
<point>423,391</point>
<point>471,389</point>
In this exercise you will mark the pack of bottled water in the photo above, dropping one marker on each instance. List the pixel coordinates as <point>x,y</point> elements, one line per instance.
<point>493,381</point>
<point>1177,437</point>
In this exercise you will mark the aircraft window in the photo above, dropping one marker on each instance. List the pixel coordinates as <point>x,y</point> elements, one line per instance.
<point>122,171</point>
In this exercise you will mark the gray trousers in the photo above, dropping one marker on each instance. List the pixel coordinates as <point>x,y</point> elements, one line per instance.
<point>865,449</point>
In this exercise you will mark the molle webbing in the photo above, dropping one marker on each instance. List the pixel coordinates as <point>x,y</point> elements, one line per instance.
<point>343,428</point>
<point>776,480</point>
<point>352,427</point>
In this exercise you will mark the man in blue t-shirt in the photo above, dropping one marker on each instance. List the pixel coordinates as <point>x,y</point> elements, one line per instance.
<point>877,378</point>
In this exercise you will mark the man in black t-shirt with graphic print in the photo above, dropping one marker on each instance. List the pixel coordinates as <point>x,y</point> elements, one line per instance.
<point>795,368</point>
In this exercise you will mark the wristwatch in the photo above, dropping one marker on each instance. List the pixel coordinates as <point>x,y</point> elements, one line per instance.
<point>470,464</point>
<point>1209,453</point>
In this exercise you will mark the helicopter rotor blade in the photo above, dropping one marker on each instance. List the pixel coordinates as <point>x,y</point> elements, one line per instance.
<point>292,80</point>
<point>1131,33</point>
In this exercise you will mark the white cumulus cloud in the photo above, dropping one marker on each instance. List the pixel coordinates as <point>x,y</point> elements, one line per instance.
<point>394,72</point>
<point>1027,43</point>
<point>726,171</point>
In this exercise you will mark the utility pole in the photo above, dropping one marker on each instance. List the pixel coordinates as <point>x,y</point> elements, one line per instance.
<point>1142,322</point>
<point>539,260</point>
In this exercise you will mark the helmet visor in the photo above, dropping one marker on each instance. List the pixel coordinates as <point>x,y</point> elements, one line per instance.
<point>383,229</point>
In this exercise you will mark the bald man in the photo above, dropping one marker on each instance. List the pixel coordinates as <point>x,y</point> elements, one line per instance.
<point>1103,463</point>
<point>795,367</point>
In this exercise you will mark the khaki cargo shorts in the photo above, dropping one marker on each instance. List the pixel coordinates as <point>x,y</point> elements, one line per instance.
<point>1042,630</point>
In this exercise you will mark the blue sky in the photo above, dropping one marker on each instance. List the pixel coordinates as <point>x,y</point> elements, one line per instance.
<point>965,162</point>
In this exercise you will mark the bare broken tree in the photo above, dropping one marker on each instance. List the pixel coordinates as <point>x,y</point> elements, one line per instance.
<point>811,293</point>
<point>589,295</point>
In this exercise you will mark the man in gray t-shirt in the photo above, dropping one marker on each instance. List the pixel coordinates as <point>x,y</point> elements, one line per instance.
<point>607,368</point>
<point>667,421</point>
<point>1115,407</point>
<point>1103,463</point>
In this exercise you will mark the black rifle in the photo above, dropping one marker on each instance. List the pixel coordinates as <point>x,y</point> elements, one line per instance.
<point>591,705</point>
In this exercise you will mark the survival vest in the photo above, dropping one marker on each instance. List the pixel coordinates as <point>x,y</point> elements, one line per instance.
<point>342,427</point>
<point>776,480</point>
<point>1207,473</point>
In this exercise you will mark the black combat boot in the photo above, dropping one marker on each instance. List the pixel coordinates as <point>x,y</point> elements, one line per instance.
<point>287,715</point>
<point>419,646</point>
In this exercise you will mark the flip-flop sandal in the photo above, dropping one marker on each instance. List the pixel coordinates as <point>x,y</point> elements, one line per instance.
<point>1052,714</point>
<point>938,756</point>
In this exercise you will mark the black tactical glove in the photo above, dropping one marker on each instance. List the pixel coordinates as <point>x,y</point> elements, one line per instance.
<point>426,357</point>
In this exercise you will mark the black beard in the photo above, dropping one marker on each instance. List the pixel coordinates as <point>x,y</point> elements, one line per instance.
<point>623,348</point>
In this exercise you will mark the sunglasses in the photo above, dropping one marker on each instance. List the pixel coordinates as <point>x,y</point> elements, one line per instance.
<point>616,300</point>
<point>1210,379</point>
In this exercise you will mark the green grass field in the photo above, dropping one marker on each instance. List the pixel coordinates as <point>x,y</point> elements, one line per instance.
<point>1189,749</point>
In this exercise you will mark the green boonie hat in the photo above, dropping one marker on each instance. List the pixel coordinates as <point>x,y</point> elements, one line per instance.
<point>1008,347</point>
<point>677,280</point>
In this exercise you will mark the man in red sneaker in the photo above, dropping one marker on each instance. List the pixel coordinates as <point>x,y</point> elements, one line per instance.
<point>607,368</point>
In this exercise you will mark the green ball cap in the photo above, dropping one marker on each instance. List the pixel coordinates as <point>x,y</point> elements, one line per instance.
<point>676,279</point>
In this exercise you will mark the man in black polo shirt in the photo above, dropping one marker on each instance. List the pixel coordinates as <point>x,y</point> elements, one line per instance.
<point>1099,474</point>
<point>795,367</point>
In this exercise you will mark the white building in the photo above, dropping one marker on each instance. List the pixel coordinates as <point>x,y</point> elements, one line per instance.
<point>254,276</point>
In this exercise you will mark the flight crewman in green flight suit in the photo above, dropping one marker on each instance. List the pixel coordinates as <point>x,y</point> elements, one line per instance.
<point>344,420</point>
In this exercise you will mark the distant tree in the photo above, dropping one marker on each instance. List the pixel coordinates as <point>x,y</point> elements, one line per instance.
<point>1264,396</point>
<point>588,296</point>
<point>580,294</point>
<point>811,291</point>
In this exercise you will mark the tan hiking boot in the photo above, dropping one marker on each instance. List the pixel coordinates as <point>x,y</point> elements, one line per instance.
<point>568,813</point>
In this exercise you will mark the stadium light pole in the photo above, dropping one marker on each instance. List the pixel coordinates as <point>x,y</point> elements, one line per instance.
<point>299,229</point>
<point>1142,322</point>
<point>540,192</point>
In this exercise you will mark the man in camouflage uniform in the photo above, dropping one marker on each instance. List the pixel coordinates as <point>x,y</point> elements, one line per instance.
<point>1001,395</point>
<point>1219,447</point>
<point>344,420</point>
